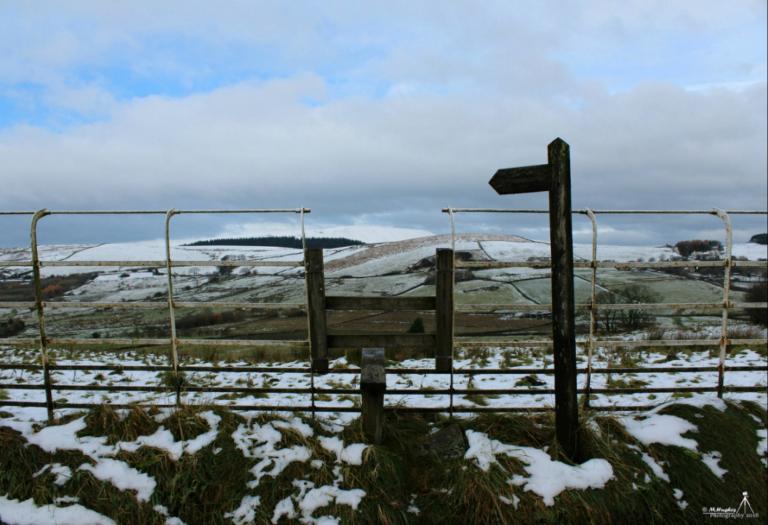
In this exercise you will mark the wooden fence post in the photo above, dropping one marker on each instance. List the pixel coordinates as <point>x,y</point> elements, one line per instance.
<point>563,309</point>
<point>555,177</point>
<point>373,384</point>
<point>444,310</point>
<point>318,331</point>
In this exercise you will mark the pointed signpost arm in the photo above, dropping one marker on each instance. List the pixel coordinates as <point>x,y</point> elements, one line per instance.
<point>555,177</point>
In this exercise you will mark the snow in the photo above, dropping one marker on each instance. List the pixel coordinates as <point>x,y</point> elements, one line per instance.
<point>514,501</point>
<point>198,443</point>
<point>295,424</point>
<point>660,428</point>
<point>61,472</point>
<point>656,468</point>
<point>169,520</point>
<point>15,512</point>
<point>762,445</point>
<point>122,476</point>
<point>750,250</point>
<point>546,477</point>
<point>63,437</point>
<point>311,498</point>
<point>712,459</point>
<point>162,439</point>
<point>285,508</point>
<point>679,497</point>
<point>260,442</point>
<point>351,454</point>
<point>245,513</point>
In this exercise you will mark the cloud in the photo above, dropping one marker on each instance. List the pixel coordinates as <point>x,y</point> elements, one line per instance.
<point>389,112</point>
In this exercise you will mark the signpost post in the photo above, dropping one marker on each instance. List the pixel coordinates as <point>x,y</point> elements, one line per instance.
<point>555,177</point>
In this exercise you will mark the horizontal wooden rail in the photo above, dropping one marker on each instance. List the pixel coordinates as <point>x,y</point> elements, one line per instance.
<point>381,340</point>
<point>336,302</point>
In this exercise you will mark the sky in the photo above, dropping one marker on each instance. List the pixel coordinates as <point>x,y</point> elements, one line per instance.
<point>379,113</point>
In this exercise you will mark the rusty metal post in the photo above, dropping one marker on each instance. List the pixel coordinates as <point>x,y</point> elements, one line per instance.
<point>592,308</point>
<point>318,329</point>
<point>40,308</point>
<point>171,307</point>
<point>373,384</point>
<point>727,264</point>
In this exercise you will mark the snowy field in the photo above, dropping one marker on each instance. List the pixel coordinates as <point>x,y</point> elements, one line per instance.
<point>492,358</point>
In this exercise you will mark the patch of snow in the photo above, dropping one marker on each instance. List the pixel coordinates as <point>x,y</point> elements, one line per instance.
<point>679,497</point>
<point>314,498</point>
<point>546,477</point>
<point>245,513</point>
<point>62,472</point>
<point>656,468</point>
<point>169,520</point>
<point>295,424</point>
<point>162,439</point>
<point>64,437</point>
<point>351,454</point>
<point>66,499</point>
<point>259,441</point>
<point>515,501</point>
<point>15,512</point>
<point>122,476</point>
<point>711,459</point>
<point>762,445</point>
<point>198,443</point>
<point>285,508</point>
<point>660,428</point>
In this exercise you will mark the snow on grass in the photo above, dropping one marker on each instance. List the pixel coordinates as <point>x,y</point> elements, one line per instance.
<point>122,476</point>
<point>679,497</point>
<point>514,500</point>
<point>260,441</point>
<point>61,472</point>
<point>712,459</point>
<point>162,439</point>
<point>194,445</point>
<point>660,428</point>
<point>285,508</point>
<point>656,468</point>
<point>311,498</point>
<point>351,454</point>
<point>15,512</point>
<point>762,445</point>
<point>63,437</point>
<point>546,477</point>
<point>245,513</point>
<point>296,424</point>
<point>169,520</point>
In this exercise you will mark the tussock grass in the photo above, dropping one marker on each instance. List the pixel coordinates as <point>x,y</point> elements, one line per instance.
<point>403,472</point>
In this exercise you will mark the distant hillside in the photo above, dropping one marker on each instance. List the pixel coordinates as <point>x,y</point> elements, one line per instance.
<point>281,242</point>
<point>760,238</point>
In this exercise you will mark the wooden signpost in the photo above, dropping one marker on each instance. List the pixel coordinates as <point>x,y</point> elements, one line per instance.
<point>555,177</point>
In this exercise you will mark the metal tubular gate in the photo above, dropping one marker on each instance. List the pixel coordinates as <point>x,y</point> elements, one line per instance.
<point>45,342</point>
<point>592,342</point>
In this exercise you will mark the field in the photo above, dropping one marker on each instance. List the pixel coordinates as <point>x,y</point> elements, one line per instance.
<point>314,468</point>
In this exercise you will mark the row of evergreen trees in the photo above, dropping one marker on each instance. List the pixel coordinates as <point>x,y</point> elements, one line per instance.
<point>281,241</point>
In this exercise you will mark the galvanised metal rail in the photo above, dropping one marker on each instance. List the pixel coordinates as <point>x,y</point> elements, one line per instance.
<point>40,306</point>
<point>593,342</point>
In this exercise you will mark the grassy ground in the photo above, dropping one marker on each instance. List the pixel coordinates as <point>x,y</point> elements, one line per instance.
<point>400,475</point>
